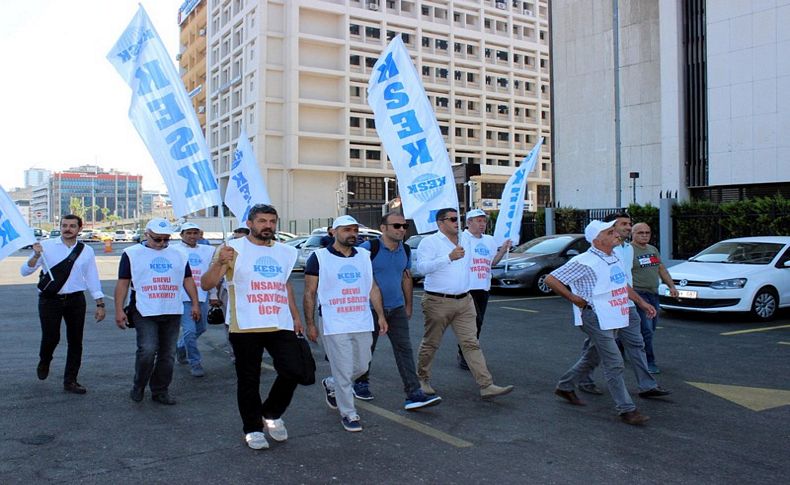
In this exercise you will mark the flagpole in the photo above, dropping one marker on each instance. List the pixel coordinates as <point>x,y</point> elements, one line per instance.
<point>507,256</point>
<point>222,223</point>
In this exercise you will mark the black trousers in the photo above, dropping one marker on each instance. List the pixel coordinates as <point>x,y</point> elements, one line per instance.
<point>480,297</point>
<point>71,309</point>
<point>248,349</point>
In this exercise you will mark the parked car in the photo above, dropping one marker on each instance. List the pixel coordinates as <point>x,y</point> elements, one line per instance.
<point>283,236</point>
<point>313,242</point>
<point>748,274</point>
<point>39,234</point>
<point>297,242</point>
<point>89,235</point>
<point>123,235</point>
<point>54,233</point>
<point>528,264</point>
<point>414,244</point>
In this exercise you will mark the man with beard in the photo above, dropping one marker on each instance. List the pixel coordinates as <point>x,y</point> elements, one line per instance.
<point>73,264</point>
<point>156,273</point>
<point>199,258</point>
<point>341,277</point>
<point>444,260</point>
<point>390,258</point>
<point>261,314</point>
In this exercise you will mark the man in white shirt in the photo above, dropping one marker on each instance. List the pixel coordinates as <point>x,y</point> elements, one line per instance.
<point>444,261</point>
<point>156,273</point>
<point>68,302</point>
<point>485,254</point>
<point>199,258</point>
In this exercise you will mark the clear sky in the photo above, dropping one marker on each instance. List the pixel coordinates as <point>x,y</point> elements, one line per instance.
<point>63,104</point>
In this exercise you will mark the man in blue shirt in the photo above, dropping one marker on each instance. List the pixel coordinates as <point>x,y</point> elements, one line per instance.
<point>391,264</point>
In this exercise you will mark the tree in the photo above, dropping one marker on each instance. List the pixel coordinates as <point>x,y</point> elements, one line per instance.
<point>77,207</point>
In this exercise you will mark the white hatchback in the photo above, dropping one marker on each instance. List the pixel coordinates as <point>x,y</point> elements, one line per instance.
<point>747,274</point>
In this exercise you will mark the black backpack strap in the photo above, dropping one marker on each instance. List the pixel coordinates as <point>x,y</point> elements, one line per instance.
<point>407,248</point>
<point>60,271</point>
<point>375,245</point>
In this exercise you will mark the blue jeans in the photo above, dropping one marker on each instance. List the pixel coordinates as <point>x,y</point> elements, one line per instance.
<point>604,350</point>
<point>156,350</point>
<point>648,325</point>
<point>191,330</point>
<point>398,334</point>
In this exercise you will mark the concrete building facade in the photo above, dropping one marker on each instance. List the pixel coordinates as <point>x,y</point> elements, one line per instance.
<point>690,95</point>
<point>294,74</point>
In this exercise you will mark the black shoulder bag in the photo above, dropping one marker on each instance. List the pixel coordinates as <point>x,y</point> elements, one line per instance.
<point>60,271</point>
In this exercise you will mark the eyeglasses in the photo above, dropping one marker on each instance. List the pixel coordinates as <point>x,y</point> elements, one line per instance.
<point>451,219</point>
<point>398,225</point>
<point>642,232</point>
<point>158,240</point>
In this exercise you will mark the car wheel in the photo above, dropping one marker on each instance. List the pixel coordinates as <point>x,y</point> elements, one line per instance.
<point>541,286</point>
<point>765,304</point>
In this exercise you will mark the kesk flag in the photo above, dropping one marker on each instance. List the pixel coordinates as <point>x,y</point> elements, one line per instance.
<point>408,129</point>
<point>245,185</point>
<point>162,113</point>
<point>14,231</point>
<point>511,207</point>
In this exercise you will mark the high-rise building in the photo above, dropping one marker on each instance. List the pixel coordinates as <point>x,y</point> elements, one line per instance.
<point>655,97</point>
<point>192,54</point>
<point>294,73</point>
<point>36,176</point>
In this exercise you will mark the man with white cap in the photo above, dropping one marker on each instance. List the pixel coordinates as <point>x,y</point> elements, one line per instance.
<point>340,276</point>
<point>444,260</point>
<point>199,258</point>
<point>485,254</point>
<point>156,273</point>
<point>600,294</point>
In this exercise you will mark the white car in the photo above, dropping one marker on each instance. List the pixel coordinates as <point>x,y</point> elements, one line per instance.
<point>747,274</point>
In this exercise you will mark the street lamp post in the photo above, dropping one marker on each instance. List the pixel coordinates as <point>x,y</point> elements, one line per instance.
<point>385,207</point>
<point>633,176</point>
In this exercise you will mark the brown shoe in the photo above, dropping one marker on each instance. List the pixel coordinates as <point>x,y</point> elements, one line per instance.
<point>569,396</point>
<point>74,388</point>
<point>493,391</point>
<point>634,418</point>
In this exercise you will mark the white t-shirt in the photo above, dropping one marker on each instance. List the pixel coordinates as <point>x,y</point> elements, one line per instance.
<point>483,250</point>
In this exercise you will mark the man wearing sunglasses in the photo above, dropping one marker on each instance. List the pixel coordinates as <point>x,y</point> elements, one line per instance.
<point>484,255</point>
<point>444,260</point>
<point>156,273</point>
<point>391,263</point>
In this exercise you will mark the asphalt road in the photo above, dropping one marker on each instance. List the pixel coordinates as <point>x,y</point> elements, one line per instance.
<point>695,436</point>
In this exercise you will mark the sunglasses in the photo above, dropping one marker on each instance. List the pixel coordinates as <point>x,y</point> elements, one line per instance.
<point>451,219</point>
<point>398,225</point>
<point>159,240</point>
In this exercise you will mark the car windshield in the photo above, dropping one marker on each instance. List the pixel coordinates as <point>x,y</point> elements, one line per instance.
<point>313,241</point>
<point>414,241</point>
<point>734,252</point>
<point>543,245</point>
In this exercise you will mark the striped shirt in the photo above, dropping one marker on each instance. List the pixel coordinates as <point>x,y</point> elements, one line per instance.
<point>582,276</point>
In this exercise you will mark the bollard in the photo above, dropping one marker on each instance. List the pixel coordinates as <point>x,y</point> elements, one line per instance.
<point>108,246</point>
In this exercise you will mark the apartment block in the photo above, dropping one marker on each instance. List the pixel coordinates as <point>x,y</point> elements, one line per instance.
<point>294,74</point>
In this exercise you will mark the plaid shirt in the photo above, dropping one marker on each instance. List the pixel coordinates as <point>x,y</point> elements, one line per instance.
<point>582,277</point>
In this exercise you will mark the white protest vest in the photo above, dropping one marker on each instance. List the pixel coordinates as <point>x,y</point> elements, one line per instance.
<point>344,286</point>
<point>482,252</point>
<point>259,280</point>
<point>625,253</point>
<point>610,295</point>
<point>199,259</point>
<point>158,278</point>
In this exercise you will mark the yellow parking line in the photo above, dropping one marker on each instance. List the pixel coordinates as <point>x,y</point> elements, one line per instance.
<point>419,427</point>
<point>784,343</point>
<point>424,429</point>
<point>526,298</point>
<point>520,309</point>
<point>763,329</point>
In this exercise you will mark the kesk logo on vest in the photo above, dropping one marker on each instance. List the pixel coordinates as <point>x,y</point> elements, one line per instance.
<point>616,275</point>
<point>482,250</point>
<point>161,265</point>
<point>481,266</point>
<point>267,267</point>
<point>263,292</point>
<point>620,295</point>
<point>162,286</point>
<point>195,259</point>
<point>349,274</point>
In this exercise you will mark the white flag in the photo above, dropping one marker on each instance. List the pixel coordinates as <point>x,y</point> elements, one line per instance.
<point>411,137</point>
<point>162,113</point>
<point>14,231</point>
<point>245,185</point>
<point>511,207</point>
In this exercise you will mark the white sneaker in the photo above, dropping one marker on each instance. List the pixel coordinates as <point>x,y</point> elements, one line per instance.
<point>276,429</point>
<point>256,440</point>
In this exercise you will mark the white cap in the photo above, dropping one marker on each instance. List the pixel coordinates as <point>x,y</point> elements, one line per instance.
<point>158,225</point>
<point>594,228</point>
<point>475,213</point>
<point>344,221</point>
<point>189,225</point>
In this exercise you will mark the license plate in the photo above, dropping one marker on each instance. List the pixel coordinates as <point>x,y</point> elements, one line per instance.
<point>684,293</point>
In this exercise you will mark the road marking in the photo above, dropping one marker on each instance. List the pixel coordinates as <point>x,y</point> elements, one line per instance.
<point>520,309</point>
<point>525,298</point>
<point>409,423</point>
<point>784,343</point>
<point>419,427</point>
<point>754,398</point>
<point>763,329</point>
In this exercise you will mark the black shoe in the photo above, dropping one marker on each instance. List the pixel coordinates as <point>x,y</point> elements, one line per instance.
<point>462,362</point>
<point>74,387</point>
<point>42,370</point>
<point>655,392</point>
<point>163,398</point>
<point>136,394</point>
